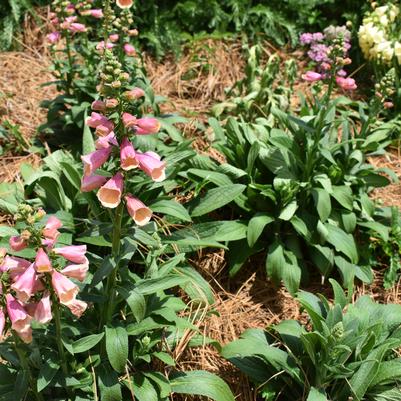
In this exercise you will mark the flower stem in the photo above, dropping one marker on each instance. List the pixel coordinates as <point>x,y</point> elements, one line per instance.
<point>25,366</point>
<point>70,72</point>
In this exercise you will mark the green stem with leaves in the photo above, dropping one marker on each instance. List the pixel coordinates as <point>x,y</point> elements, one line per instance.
<point>25,366</point>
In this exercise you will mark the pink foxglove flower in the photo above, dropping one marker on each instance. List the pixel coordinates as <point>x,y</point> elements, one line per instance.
<point>346,83</point>
<point>53,37</point>
<point>14,266</point>
<point>139,212</point>
<point>17,243</point>
<point>25,284</point>
<point>129,50</point>
<point>2,323</point>
<point>78,272</point>
<point>125,3</point>
<point>51,228</point>
<point>96,13</point>
<point>133,32</point>
<point>94,160</point>
<point>64,288</point>
<point>20,320</point>
<point>110,193</point>
<point>73,253</point>
<point>147,125</point>
<point>114,37</point>
<point>43,309</point>
<point>106,141</point>
<point>77,307</point>
<point>98,105</point>
<point>97,119</point>
<point>128,156</point>
<point>129,120</point>
<point>151,164</point>
<point>134,94</point>
<point>42,262</point>
<point>91,182</point>
<point>311,76</point>
<point>77,27</point>
<point>100,45</point>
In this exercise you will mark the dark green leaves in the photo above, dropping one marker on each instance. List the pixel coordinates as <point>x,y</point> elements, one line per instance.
<point>117,347</point>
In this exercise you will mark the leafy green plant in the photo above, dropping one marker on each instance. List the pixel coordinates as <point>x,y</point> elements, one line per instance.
<point>341,353</point>
<point>12,139</point>
<point>263,88</point>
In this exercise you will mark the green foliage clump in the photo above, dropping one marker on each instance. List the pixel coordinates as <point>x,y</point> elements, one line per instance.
<point>341,354</point>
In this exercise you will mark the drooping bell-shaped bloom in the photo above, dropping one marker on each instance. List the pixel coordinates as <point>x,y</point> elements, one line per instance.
<point>104,142</point>
<point>98,105</point>
<point>25,284</point>
<point>129,120</point>
<point>147,125</point>
<point>133,32</point>
<point>73,253</point>
<point>20,320</point>
<point>134,94</point>
<point>139,212</point>
<point>114,37</point>
<point>100,45</point>
<point>128,158</point>
<point>64,288</point>
<point>97,119</point>
<point>125,3</point>
<point>51,228</point>
<point>92,182</point>
<point>42,262</point>
<point>110,193</point>
<point>77,307</point>
<point>43,309</point>
<point>96,13</point>
<point>2,323</point>
<point>14,266</point>
<point>151,164</point>
<point>78,272</point>
<point>96,159</point>
<point>17,243</point>
<point>77,27</point>
<point>129,50</point>
<point>346,83</point>
<point>53,37</point>
<point>311,76</point>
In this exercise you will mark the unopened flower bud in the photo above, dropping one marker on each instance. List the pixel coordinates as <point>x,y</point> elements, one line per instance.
<point>116,84</point>
<point>25,235</point>
<point>117,71</point>
<point>347,61</point>
<point>388,105</point>
<point>133,32</point>
<point>145,341</point>
<point>40,214</point>
<point>111,103</point>
<point>98,105</point>
<point>134,94</point>
<point>124,76</point>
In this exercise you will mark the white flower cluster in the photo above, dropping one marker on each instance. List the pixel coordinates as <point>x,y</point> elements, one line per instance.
<point>376,36</point>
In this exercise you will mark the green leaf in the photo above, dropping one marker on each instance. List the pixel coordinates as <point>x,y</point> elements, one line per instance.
<point>256,226</point>
<point>343,242</point>
<point>165,358</point>
<point>316,395</point>
<point>117,347</point>
<point>322,202</point>
<point>216,198</point>
<point>288,212</point>
<point>275,262</point>
<point>201,383</point>
<point>151,286</point>
<point>88,144</point>
<point>136,301</point>
<point>86,343</point>
<point>46,374</point>
<point>143,388</point>
<point>343,195</point>
<point>171,208</point>
<point>109,386</point>
<point>99,240</point>
<point>339,295</point>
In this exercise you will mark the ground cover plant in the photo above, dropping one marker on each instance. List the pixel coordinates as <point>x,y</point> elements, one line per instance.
<point>145,255</point>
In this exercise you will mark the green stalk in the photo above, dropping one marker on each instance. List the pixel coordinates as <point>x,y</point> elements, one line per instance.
<point>25,366</point>
<point>70,62</point>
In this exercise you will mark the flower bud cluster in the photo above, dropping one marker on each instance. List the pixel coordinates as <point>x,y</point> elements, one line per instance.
<point>28,288</point>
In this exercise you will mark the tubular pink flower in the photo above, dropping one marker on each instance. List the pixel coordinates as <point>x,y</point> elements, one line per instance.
<point>147,125</point>
<point>129,120</point>
<point>17,243</point>
<point>104,142</point>
<point>96,13</point>
<point>53,37</point>
<point>78,272</point>
<point>94,160</point>
<point>311,76</point>
<point>42,262</point>
<point>71,19</point>
<point>2,324</point>
<point>150,163</point>
<point>65,289</point>
<point>100,45</point>
<point>125,3</point>
<point>14,266</point>
<point>77,27</point>
<point>98,105</point>
<point>20,320</point>
<point>25,284</point>
<point>114,37</point>
<point>77,307</point>
<point>128,158</point>
<point>139,212</point>
<point>97,119</point>
<point>134,94</point>
<point>110,193</point>
<point>73,253</point>
<point>51,228</point>
<point>43,309</point>
<point>91,182</point>
<point>129,50</point>
<point>346,83</point>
